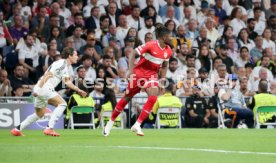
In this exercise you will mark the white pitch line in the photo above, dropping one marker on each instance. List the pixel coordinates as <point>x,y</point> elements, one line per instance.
<point>189,149</point>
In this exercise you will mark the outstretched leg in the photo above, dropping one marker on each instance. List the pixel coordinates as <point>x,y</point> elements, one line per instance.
<point>152,97</point>
<point>60,105</point>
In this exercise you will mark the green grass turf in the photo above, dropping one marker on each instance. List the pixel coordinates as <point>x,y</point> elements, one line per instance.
<point>90,146</point>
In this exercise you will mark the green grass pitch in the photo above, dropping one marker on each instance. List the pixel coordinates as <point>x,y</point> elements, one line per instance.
<point>157,146</point>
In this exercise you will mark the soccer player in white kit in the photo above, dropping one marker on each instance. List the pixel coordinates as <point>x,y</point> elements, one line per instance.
<point>44,93</point>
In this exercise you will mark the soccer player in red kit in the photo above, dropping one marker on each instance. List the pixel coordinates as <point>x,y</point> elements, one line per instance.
<point>153,55</point>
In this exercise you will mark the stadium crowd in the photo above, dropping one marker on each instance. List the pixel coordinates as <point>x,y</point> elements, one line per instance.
<point>213,42</point>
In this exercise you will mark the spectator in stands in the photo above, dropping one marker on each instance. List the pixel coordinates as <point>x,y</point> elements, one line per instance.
<point>103,29</point>
<point>98,95</point>
<point>113,14</point>
<point>260,24</point>
<point>234,102</point>
<point>243,58</point>
<point>134,20</point>
<point>71,19</point>
<point>211,117</point>
<point>203,82</point>
<point>196,109</point>
<point>192,32</point>
<point>171,25</point>
<point>267,42</point>
<point>225,59</point>
<point>122,29</point>
<point>92,42</point>
<point>110,71</point>
<point>17,80</point>
<point>186,15</point>
<point>133,33</point>
<point>264,64</point>
<point>190,63</point>
<point>78,41</point>
<point>78,21</point>
<point>225,22</point>
<point>202,14</point>
<point>219,11</point>
<point>147,28</point>
<point>17,10</point>
<point>93,22</point>
<point>57,35</point>
<point>41,20</point>
<point>170,15</point>
<point>53,22</point>
<point>164,9</point>
<point>123,61</point>
<point>184,88</point>
<point>182,53</point>
<point>256,52</point>
<point>237,23</point>
<point>250,28</point>
<point>181,38</point>
<point>121,82</point>
<point>18,31</point>
<point>227,33</point>
<point>173,72</point>
<point>28,55</point>
<point>212,32</point>
<point>167,100</point>
<point>87,65</point>
<point>244,88</point>
<point>273,87</point>
<point>148,37</point>
<point>264,74</point>
<point>256,3</point>
<point>111,34</point>
<point>151,12</point>
<point>233,52</point>
<point>204,58</point>
<point>46,61</point>
<point>5,84</point>
<point>263,98</point>
<point>214,73</point>
<point>55,10</point>
<point>65,12</point>
<point>201,39</point>
<point>128,8</point>
<point>244,39</point>
<point>89,7</point>
<point>222,72</point>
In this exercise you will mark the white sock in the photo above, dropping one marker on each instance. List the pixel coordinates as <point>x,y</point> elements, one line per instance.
<point>30,119</point>
<point>56,115</point>
<point>137,123</point>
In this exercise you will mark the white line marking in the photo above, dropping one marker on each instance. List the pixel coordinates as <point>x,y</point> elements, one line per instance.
<point>189,149</point>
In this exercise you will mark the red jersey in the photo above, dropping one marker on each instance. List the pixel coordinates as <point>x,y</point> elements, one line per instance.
<point>151,58</point>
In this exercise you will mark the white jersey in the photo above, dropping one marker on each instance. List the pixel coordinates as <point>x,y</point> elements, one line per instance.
<point>60,70</point>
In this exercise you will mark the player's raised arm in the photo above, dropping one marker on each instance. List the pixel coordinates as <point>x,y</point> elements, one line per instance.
<point>70,85</point>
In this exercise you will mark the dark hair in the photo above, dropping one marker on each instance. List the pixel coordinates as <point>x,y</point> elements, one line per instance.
<point>66,52</point>
<point>78,14</point>
<point>256,9</point>
<point>106,57</point>
<point>161,30</point>
<point>79,68</point>
<point>263,85</point>
<point>83,87</point>
<point>103,17</point>
<point>244,47</point>
<point>86,57</point>
<point>169,88</point>
<point>110,96</point>
<point>190,56</point>
<point>225,29</point>
<point>135,6</point>
<point>172,59</point>
<point>247,65</point>
<point>53,15</point>
<point>93,8</point>
<point>250,20</point>
<point>239,35</point>
<point>216,58</point>
<point>234,12</point>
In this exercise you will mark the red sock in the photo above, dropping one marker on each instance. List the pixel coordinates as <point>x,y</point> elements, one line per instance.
<point>147,109</point>
<point>119,108</point>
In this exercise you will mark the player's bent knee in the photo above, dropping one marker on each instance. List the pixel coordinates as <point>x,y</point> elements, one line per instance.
<point>40,112</point>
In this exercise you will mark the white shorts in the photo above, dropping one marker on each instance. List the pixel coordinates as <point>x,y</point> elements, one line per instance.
<point>44,94</point>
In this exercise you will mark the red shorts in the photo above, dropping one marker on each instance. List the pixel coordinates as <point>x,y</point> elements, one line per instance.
<point>135,85</point>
